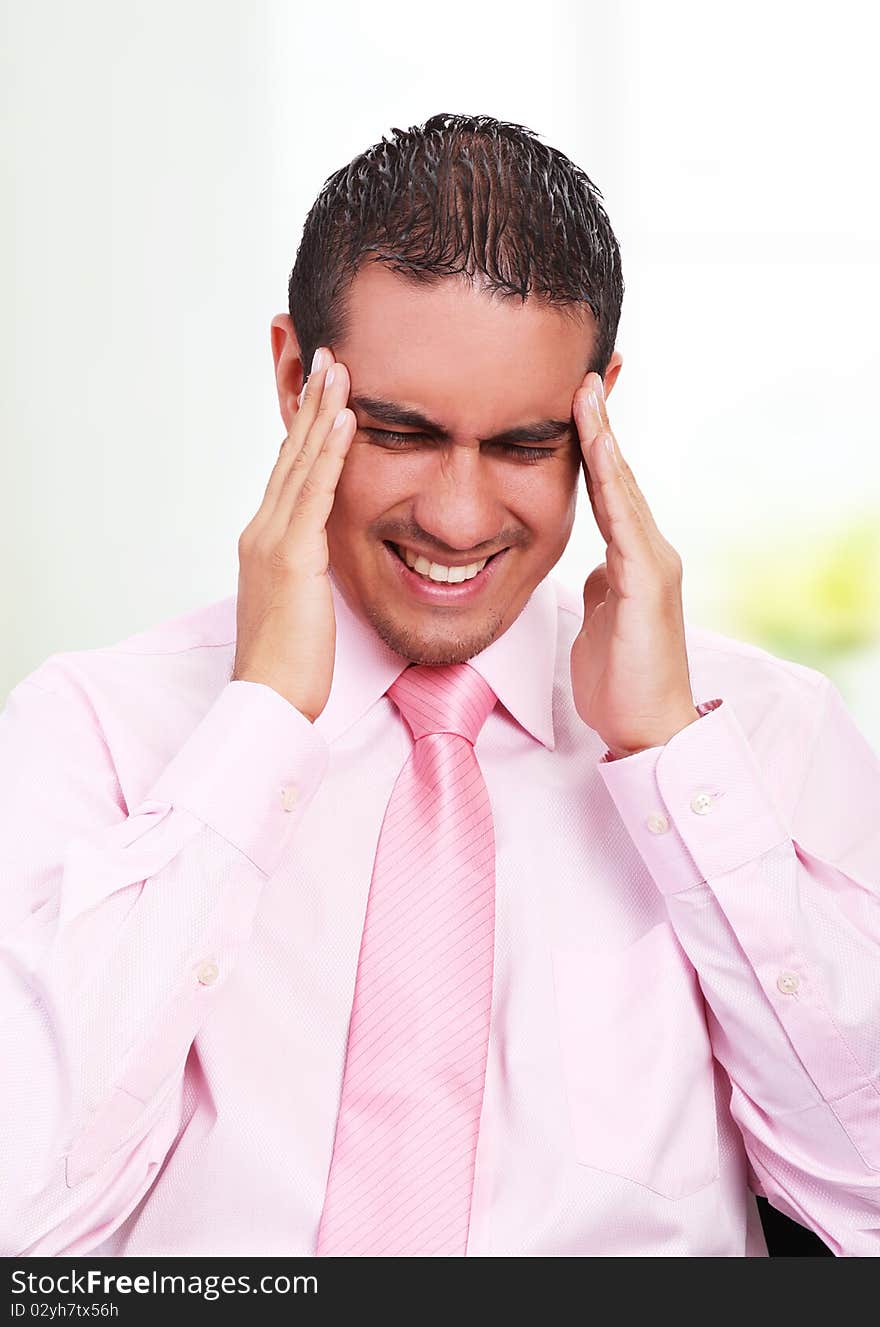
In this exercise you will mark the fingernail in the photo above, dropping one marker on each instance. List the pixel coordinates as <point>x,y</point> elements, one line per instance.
<point>299,399</point>
<point>593,401</point>
<point>600,386</point>
<point>318,360</point>
<point>330,376</point>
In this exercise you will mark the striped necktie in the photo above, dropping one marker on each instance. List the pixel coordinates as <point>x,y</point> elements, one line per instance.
<point>402,1170</point>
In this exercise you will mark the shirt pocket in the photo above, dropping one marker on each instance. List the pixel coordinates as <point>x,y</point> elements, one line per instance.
<point>637,1063</point>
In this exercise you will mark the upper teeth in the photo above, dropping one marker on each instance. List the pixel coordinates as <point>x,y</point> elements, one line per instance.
<point>436,571</point>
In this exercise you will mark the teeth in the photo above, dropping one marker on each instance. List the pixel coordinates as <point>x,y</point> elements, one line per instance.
<point>435,571</point>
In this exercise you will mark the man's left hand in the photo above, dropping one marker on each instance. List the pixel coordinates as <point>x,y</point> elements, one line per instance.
<point>629,667</point>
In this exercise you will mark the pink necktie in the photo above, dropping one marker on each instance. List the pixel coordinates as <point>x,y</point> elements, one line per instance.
<point>402,1170</point>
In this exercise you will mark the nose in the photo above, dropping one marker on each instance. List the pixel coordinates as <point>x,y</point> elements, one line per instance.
<point>457,502</point>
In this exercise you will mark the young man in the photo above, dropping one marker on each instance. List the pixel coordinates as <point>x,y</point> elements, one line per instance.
<point>404,904</point>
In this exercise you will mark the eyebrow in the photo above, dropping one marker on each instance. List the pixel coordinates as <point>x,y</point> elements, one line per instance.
<point>390,412</point>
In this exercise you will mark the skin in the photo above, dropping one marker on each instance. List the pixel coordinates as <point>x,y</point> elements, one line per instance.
<point>478,366</point>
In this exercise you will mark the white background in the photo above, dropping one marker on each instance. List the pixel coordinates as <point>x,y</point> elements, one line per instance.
<point>159,160</point>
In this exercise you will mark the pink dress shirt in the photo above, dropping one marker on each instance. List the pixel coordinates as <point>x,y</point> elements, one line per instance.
<point>686,1008</point>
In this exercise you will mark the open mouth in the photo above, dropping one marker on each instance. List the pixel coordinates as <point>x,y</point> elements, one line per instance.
<point>462,574</point>
<point>469,580</point>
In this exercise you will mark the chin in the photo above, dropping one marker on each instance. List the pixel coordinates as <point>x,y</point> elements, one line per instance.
<point>437,647</point>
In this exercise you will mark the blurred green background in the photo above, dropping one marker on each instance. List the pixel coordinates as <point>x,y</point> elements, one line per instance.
<point>816,601</point>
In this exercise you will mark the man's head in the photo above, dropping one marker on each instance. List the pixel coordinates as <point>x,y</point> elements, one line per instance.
<point>468,278</point>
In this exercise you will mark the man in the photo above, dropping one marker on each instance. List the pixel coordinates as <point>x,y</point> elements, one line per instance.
<point>406,905</point>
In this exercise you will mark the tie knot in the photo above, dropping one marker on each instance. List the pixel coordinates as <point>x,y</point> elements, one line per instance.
<point>445,698</point>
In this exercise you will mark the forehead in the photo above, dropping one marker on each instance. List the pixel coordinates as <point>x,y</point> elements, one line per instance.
<point>465,358</point>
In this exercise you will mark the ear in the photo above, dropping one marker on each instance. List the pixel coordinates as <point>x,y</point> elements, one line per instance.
<point>615,364</point>
<point>289,373</point>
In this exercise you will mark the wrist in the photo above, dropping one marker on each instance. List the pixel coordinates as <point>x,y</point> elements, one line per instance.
<point>664,734</point>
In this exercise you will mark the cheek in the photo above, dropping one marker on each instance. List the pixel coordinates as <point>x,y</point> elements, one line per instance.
<point>369,487</point>
<point>365,485</point>
<point>547,499</point>
<point>551,510</point>
<point>374,481</point>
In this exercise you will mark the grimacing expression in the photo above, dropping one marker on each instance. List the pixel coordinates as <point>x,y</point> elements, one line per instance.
<point>475,367</point>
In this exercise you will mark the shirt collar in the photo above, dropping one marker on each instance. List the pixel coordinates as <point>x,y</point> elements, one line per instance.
<point>519,665</point>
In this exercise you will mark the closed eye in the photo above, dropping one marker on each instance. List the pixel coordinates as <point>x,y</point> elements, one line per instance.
<point>522,453</point>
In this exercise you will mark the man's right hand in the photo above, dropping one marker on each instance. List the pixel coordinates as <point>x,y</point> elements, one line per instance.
<point>286,627</point>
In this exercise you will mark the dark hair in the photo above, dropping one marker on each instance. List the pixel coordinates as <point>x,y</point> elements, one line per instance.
<point>460,195</point>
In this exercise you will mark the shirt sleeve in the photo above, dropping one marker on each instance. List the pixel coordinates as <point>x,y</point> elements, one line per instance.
<point>118,933</point>
<point>780,917</point>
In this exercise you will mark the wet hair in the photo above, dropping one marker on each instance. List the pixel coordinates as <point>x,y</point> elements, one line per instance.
<point>463,196</point>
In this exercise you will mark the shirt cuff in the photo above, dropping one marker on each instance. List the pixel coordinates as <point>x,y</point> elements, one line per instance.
<point>248,771</point>
<point>697,807</point>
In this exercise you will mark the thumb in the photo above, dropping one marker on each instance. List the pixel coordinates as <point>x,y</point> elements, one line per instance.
<point>595,589</point>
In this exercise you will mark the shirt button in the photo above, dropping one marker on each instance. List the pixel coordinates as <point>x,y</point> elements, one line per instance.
<point>289,796</point>
<point>788,982</point>
<point>208,973</point>
<point>657,823</point>
<point>701,804</point>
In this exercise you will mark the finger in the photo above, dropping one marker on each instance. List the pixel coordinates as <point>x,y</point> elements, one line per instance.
<point>586,426</point>
<point>595,383</point>
<point>309,403</point>
<point>637,497</point>
<point>596,588</point>
<point>626,527</point>
<point>334,398</point>
<point>597,404</point>
<point>315,498</point>
<point>312,397</point>
<point>597,501</point>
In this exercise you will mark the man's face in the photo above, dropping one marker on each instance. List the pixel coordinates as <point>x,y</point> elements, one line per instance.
<point>475,367</point>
